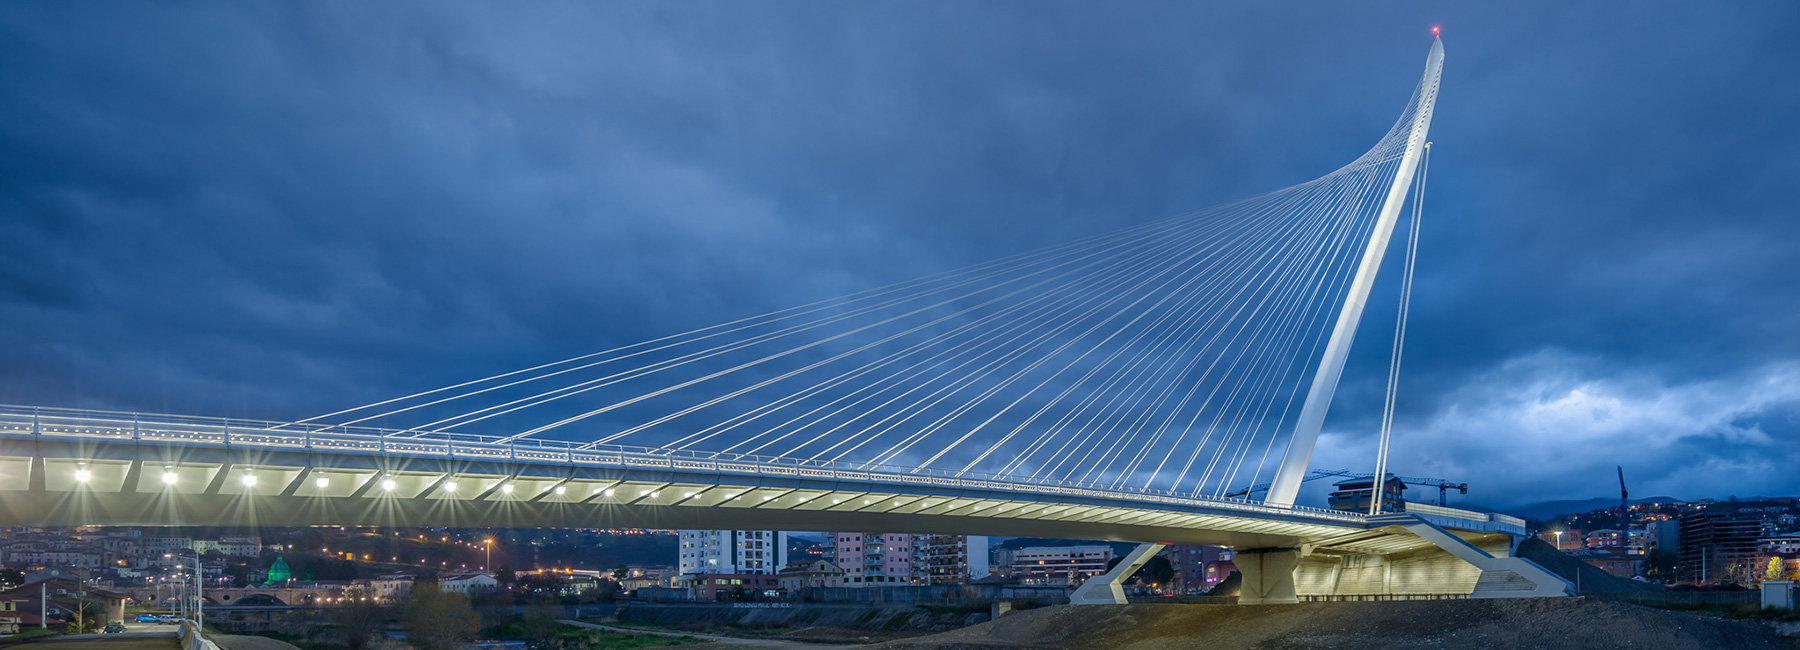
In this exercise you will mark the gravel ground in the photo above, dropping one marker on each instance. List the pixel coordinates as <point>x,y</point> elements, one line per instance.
<point>1576,623</point>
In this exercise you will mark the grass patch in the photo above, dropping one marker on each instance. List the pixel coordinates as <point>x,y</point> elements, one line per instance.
<point>28,634</point>
<point>581,638</point>
<point>573,637</point>
<point>303,643</point>
<point>953,609</point>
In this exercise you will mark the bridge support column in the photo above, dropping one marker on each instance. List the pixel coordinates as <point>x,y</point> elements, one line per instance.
<point>1268,575</point>
<point>1109,588</point>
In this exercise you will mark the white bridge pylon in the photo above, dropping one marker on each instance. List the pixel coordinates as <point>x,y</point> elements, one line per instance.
<point>1286,485</point>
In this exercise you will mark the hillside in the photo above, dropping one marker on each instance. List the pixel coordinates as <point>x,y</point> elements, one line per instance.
<point>1548,509</point>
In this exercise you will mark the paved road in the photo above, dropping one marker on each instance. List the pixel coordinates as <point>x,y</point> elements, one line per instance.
<point>774,644</point>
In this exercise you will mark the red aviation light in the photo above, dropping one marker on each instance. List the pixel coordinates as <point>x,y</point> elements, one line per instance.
<point>1434,30</point>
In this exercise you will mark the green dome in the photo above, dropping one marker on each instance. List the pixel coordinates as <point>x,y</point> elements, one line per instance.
<point>279,571</point>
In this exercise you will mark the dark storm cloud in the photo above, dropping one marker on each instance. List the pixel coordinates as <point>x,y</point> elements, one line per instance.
<point>277,210</point>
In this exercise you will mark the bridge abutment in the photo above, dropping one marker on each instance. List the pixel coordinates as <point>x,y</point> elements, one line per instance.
<point>1409,557</point>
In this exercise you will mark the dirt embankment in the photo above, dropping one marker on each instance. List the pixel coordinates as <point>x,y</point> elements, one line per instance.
<point>1575,623</point>
<point>825,622</point>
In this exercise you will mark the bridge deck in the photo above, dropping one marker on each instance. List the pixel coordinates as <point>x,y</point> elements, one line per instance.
<point>122,469</point>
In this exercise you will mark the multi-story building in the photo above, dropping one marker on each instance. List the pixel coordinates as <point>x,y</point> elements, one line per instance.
<point>158,546</point>
<point>240,546</point>
<point>1000,561</point>
<point>1355,494</point>
<point>1781,544</point>
<point>1662,533</point>
<point>733,551</point>
<point>1717,541</point>
<point>391,587</point>
<point>1607,539</point>
<point>1197,568</point>
<point>1060,565</point>
<point>875,559</point>
<point>950,559</point>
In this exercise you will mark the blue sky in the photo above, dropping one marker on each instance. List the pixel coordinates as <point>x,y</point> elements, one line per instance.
<point>276,210</point>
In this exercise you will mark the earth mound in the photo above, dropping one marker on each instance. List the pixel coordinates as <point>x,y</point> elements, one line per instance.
<point>1576,623</point>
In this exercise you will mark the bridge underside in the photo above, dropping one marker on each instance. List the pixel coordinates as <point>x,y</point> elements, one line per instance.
<point>88,482</point>
<point>1284,554</point>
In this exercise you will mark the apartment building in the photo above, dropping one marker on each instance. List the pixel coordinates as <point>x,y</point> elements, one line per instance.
<point>1715,537</point>
<point>950,559</point>
<point>756,552</point>
<point>1060,565</point>
<point>875,559</point>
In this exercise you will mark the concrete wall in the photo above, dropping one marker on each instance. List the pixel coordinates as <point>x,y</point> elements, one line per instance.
<point>1427,570</point>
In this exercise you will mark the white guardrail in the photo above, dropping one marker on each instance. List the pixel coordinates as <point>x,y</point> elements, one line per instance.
<point>30,421</point>
<point>1459,513</point>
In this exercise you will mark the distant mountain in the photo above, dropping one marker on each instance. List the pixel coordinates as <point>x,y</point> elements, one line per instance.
<point>1548,509</point>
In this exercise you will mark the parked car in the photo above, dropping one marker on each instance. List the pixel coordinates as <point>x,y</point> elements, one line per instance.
<point>146,618</point>
<point>114,628</point>
<point>169,619</point>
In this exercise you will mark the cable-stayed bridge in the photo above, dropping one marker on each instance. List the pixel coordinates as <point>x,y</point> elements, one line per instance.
<point>1115,387</point>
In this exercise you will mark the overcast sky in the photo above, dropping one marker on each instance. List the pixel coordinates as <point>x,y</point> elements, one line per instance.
<point>275,210</point>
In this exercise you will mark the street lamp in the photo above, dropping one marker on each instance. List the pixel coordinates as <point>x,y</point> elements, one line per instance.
<point>490,554</point>
<point>1559,540</point>
<point>199,586</point>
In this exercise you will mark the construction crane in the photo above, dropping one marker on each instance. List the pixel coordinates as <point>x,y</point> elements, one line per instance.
<point>1444,486</point>
<point>1624,509</point>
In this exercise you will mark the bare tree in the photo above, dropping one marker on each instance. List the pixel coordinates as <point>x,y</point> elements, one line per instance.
<point>358,623</point>
<point>542,619</point>
<point>438,620</point>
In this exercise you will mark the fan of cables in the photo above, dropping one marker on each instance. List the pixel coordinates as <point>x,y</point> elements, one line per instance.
<point>1171,356</point>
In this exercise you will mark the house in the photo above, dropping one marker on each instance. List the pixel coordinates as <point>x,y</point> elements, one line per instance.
<point>391,587</point>
<point>12,621</point>
<point>1619,564</point>
<point>468,584</point>
<point>708,587</point>
<point>639,577</point>
<point>817,573</point>
<point>57,598</point>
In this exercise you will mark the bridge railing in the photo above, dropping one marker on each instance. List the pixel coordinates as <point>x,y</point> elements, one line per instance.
<point>17,421</point>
